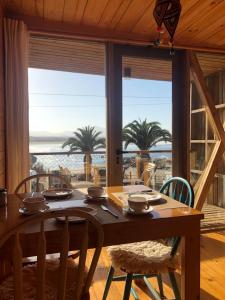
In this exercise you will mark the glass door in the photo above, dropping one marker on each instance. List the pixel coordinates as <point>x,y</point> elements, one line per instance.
<point>145,86</point>
<point>139,96</point>
<point>146,121</point>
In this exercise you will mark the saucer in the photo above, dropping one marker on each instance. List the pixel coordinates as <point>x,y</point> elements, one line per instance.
<point>154,197</point>
<point>133,212</point>
<point>24,211</point>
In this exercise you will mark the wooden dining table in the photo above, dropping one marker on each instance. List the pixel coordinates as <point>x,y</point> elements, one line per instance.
<point>172,219</point>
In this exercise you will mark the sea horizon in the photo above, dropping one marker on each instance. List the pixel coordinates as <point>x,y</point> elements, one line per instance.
<point>56,146</point>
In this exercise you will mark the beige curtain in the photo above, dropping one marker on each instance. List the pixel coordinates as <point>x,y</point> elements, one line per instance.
<point>16,88</point>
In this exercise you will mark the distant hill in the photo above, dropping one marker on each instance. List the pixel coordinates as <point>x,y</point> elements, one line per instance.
<point>54,137</point>
<point>48,139</point>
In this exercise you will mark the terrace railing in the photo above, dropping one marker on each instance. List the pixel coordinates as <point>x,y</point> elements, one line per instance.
<point>85,173</point>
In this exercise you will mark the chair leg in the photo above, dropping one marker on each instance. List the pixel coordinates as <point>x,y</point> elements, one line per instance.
<point>160,284</point>
<point>174,285</point>
<point>135,295</point>
<point>128,284</point>
<point>151,289</point>
<point>108,282</point>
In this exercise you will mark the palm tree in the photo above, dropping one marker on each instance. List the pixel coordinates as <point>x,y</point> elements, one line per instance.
<point>145,135</point>
<point>86,140</point>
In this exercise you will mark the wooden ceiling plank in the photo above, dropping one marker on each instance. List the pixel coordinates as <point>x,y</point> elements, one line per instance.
<point>194,14</point>
<point>201,29</point>
<point>120,12</point>
<point>39,8</point>
<point>218,37</point>
<point>133,14</point>
<point>53,10</point>
<point>93,12</point>
<point>70,11</point>
<point>109,12</point>
<point>28,7</point>
<point>146,23</point>
<point>80,9</point>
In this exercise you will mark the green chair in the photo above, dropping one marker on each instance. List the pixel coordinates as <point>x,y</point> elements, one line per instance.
<point>127,257</point>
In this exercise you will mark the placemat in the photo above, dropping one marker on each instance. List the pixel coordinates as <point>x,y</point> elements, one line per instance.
<point>164,203</point>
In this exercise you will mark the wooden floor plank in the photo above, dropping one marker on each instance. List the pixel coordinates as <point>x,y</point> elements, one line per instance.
<point>212,273</point>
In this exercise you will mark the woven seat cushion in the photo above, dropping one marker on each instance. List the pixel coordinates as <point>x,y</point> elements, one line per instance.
<point>29,281</point>
<point>148,257</point>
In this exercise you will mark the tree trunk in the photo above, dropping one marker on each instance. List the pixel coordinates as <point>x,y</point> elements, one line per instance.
<point>87,166</point>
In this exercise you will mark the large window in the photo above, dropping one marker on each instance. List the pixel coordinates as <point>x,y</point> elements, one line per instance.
<point>147,121</point>
<point>203,138</point>
<point>67,110</point>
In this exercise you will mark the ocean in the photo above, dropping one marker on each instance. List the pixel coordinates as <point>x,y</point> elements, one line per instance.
<point>75,161</point>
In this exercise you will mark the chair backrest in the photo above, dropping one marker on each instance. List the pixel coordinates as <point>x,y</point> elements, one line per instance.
<point>41,221</point>
<point>148,173</point>
<point>40,182</point>
<point>179,189</point>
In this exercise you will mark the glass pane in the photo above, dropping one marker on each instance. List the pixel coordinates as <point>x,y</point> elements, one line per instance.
<point>147,121</point>
<point>67,112</point>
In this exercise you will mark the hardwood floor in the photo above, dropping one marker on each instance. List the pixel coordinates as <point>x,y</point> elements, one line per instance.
<point>212,273</point>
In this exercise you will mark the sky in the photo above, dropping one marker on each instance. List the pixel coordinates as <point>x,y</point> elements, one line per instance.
<point>64,101</point>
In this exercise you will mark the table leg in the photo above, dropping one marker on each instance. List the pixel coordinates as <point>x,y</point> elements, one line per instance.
<point>190,265</point>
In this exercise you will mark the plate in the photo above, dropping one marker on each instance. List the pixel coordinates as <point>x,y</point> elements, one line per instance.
<point>73,219</point>
<point>129,210</point>
<point>24,211</point>
<point>57,193</point>
<point>150,197</point>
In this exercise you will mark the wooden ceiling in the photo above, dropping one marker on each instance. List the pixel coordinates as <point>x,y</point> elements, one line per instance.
<point>202,22</point>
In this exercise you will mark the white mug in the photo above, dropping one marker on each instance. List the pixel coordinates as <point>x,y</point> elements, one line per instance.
<point>138,203</point>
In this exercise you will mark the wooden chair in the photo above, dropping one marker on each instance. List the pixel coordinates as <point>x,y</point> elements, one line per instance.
<point>61,279</point>
<point>40,182</point>
<point>147,259</point>
<point>99,175</point>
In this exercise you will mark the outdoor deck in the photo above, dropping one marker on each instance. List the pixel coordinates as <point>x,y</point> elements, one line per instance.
<point>212,273</point>
<point>214,218</point>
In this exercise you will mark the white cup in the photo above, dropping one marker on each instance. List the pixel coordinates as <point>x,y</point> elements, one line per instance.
<point>95,191</point>
<point>138,203</point>
<point>33,203</point>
